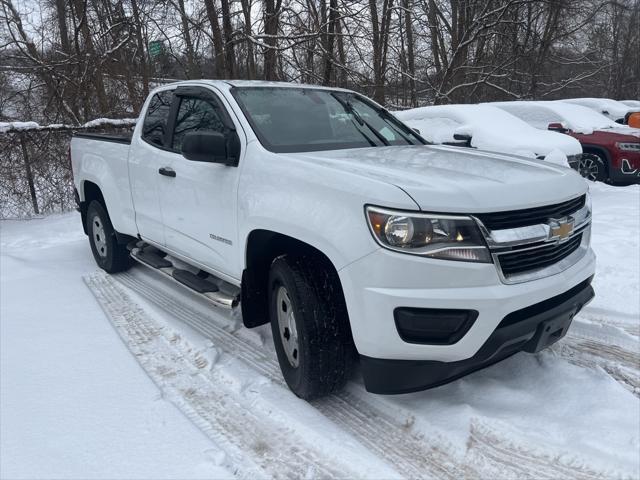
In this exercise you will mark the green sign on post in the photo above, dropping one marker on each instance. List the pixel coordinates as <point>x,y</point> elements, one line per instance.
<point>156,47</point>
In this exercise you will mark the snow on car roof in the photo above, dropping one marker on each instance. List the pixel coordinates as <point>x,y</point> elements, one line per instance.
<point>606,106</point>
<point>541,113</point>
<point>490,128</point>
<point>471,114</point>
<point>631,103</point>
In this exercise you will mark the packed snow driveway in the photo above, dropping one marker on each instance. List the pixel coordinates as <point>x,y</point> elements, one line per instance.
<point>570,411</point>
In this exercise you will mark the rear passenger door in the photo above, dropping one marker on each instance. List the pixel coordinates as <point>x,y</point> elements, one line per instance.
<point>199,203</point>
<point>147,154</point>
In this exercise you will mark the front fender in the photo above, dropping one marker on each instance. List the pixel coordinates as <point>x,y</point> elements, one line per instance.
<point>313,204</point>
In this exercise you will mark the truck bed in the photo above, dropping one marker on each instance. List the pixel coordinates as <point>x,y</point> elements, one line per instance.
<point>124,138</point>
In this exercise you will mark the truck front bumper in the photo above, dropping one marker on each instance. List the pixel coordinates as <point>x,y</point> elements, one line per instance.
<point>530,329</point>
<point>376,285</point>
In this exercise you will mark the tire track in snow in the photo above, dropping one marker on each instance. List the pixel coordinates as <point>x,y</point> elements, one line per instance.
<point>410,453</point>
<point>521,463</point>
<point>246,439</point>
<point>624,321</point>
<point>592,346</point>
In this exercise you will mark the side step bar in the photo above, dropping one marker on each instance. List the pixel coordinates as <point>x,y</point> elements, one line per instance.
<point>212,289</point>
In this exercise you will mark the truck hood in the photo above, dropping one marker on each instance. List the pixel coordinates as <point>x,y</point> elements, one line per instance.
<point>622,130</point>
<point>455,179</point>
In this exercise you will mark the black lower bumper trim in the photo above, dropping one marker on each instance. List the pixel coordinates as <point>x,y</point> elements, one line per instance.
<point>619,177</point>
<point>530,329</point>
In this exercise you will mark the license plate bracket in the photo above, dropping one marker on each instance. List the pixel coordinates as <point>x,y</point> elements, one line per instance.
<point>550,331</point>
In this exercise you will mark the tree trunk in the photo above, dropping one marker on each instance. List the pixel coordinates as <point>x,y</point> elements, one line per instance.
<point>230,56</point>
<point>330,41</point>
<point>380,39</point>
<point>411,64</point>
<point>218,46</point>
<point>144,66</point>
<point>271,23</point>
<point>192,68</point>
<point>61,14</point>
<point>91,56</point>
<point>251,60</point>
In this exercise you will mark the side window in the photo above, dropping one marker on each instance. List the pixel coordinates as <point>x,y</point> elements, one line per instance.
<point>155,121</point>
<point>195,115</point>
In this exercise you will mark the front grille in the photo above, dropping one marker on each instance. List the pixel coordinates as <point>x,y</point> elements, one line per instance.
<point>530,216</point>
<point>520,261</point>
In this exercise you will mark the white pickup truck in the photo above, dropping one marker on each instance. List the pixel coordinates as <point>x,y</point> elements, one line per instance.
<point>316,210</point>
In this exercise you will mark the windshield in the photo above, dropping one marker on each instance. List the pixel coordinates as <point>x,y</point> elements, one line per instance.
<point>289,119</point>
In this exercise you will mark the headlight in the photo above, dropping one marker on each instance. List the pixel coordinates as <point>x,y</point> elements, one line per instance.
<point>437,236</point>
<point>628,146</point>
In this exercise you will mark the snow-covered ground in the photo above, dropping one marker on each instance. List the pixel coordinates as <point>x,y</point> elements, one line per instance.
<point>128,376</point>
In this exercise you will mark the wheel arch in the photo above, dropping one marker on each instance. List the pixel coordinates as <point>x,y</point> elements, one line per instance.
<point>89,192</point>
<point>597,149</point>
<point>92,192</point>
<point>261,248</point>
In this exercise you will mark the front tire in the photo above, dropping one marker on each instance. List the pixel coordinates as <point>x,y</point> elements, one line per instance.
<point>310,326</point>
<point>592,167</point>
<point>107,252</point>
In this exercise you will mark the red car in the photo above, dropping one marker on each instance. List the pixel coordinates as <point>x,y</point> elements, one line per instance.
<point>611,152</point>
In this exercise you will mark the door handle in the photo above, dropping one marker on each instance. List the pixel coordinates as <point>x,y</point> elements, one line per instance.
<point>167,171</point>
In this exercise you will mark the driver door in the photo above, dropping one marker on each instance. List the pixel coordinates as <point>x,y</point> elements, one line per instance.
<point>199,199</point>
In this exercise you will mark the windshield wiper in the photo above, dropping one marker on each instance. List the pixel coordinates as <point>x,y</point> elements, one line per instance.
<point>348,107</point>
<point>390,120</point>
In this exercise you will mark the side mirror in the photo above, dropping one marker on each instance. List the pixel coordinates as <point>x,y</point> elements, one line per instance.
<point>556,127</point>
<point>416,130</point>
<point>461,137</point>
<point>207,146</point>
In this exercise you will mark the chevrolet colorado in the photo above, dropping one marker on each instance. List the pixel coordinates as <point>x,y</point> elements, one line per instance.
<point>318,211</point>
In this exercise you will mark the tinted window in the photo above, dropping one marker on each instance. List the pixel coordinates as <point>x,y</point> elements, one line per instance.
<point>195,115</point>
<point>289,119</point>
<point>155,122</point>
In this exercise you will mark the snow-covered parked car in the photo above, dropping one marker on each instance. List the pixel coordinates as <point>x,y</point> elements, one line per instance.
<point>611,150</point>
<point>318,211</point>
<point>489,128</point>
<point>617,111</point>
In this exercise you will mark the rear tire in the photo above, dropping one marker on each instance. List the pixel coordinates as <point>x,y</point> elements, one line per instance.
<point>310,326</point>
<point>108,253</point>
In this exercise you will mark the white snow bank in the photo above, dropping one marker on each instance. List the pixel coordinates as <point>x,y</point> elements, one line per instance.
<point>490,129</point>
<point>6,127</point>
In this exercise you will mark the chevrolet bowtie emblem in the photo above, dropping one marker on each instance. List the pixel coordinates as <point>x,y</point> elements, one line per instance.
<point>561,229</point>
